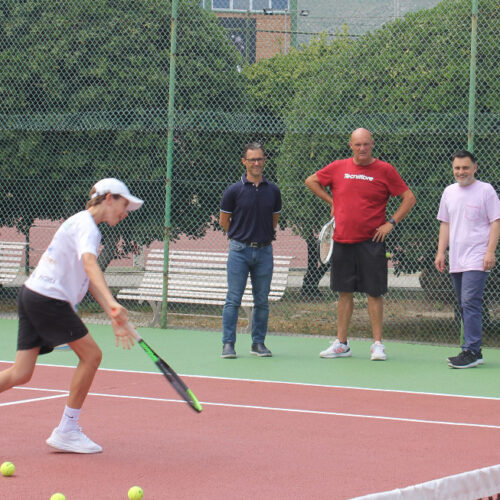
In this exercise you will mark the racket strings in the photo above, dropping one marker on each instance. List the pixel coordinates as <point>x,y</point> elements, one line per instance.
<point>325,245</point>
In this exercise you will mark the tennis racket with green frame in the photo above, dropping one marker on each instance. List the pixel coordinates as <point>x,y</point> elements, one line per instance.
<point>177,383</point>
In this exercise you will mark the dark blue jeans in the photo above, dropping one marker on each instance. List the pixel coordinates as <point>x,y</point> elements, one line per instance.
<point>469,288</point>
<point>242,261</point>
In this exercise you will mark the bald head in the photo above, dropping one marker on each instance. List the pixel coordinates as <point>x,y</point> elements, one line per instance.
<point>361,144</point>
<point>361,133</point>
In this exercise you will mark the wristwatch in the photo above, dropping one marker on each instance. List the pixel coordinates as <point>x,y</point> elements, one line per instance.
<point>392,221</point>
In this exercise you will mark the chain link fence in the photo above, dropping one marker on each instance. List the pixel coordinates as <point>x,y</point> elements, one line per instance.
<point>84,94</point>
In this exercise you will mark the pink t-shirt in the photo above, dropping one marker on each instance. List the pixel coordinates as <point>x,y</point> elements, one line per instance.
<point>360,195</point>
<point>469,211</point>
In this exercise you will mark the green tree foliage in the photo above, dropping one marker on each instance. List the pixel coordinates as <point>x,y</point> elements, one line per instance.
<point>84,94</point>
<point>407,82</point>
<point>273,85</point>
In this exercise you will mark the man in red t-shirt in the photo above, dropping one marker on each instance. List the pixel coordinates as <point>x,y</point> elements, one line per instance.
<point>360,188</point>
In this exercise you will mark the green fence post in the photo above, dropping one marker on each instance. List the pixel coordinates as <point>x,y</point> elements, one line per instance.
<point>472,84</point>
<point>293,23</point>
<point>170,147</point>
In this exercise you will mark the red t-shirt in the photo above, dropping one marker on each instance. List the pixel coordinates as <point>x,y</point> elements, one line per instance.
<point>360,195</point>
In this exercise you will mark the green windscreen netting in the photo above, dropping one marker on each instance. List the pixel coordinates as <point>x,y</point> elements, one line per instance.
<point>84,94</point>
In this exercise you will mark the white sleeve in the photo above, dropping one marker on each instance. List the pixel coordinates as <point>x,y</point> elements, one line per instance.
<point>88,238</point>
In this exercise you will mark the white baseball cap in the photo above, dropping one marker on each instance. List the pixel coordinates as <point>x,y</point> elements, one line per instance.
<point>114,186</point>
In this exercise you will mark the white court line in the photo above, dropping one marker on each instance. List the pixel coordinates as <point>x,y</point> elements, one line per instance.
<point>303,384</point>
<point>32,400</point>
<point>271,408</point>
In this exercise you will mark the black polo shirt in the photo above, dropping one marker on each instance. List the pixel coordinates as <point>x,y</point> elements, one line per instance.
<point>251,208</point>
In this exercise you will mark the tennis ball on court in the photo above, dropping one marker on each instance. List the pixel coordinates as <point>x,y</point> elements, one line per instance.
<point>57,496</point>
<point>7,469</point>
<point>135,493</point>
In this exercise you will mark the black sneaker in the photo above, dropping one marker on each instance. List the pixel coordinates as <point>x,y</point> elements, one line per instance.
<point>228,351</point>
<point>466,359</point>
<point>479,358</point>
<point>260,350</point>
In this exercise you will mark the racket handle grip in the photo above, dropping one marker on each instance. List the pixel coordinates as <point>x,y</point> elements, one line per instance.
<point>134,332</point>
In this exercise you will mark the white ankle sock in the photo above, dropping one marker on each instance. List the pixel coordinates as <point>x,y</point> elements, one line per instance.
<point>69,420</point>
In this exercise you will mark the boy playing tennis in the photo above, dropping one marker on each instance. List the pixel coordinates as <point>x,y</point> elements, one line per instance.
<point>47,304</point>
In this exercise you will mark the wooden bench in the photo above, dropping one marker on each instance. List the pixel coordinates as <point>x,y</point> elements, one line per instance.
<point>197,278</point>
<point>11,256</point>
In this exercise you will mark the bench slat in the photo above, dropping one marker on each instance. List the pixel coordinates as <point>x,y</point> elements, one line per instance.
<point>172,285</point>
<point>190,265</point>
<point>205,275</point>
<point>197,262</point>
<point>246,301</point>
<point>193,292</point>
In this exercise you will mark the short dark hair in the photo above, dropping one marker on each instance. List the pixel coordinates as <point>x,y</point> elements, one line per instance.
<point>252,146</point>
<point>463,153</point>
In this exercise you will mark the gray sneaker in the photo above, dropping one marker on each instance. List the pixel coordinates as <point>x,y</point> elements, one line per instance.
<point>259,349</point>
<point>228,351</point>
<point>73,442</point>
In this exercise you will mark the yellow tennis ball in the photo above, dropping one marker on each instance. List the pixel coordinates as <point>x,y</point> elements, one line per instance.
<point>135,493</point>
<point>7,469</point>
<point>57,496</point>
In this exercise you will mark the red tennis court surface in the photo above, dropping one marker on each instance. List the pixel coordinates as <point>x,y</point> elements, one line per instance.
<point>253,439</point>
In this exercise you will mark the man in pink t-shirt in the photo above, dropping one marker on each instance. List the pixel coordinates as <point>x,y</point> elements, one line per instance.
<point>360,189</point>
<point>470,226</point>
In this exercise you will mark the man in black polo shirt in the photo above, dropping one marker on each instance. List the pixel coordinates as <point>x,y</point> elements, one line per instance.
<point>249,214</point>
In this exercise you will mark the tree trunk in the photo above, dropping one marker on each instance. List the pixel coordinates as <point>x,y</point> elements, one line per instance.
<point>27,253</point>
<point>109,252</point>
<point>315,269</point>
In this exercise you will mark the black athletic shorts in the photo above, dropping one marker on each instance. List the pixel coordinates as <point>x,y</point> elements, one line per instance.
<point>359,267</point>
<point>45,322</point>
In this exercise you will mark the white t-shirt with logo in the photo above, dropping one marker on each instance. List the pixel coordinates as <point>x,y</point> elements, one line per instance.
<point>60,273</point>
<point>469,210</point>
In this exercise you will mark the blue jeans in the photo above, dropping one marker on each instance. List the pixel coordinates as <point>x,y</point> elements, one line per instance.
<point>469,288</point>
<point>242,261</point>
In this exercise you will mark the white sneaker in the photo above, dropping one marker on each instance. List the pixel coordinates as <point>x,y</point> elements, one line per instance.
<point>336,350</point>
<point>378,352</point>
<point>74,441</point>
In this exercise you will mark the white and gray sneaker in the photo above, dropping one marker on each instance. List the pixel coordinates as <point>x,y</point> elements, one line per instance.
<point>377,351</point>
<point>73,442</point>
<point>337,350</point>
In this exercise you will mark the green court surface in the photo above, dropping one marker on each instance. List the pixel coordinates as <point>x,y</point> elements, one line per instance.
<point>409,367</point>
